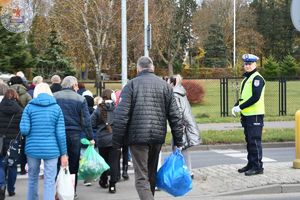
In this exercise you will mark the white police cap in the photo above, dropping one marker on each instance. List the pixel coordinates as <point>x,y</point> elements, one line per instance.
<point>250,58</point>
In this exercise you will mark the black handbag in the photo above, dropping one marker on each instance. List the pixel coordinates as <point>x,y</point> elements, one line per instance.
<point>13,151</point>
<point>3,135</point>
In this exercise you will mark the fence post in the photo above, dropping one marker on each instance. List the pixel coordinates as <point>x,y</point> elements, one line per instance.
<point>282,96</point>
<point>296,163</point>
<point>224,97</point>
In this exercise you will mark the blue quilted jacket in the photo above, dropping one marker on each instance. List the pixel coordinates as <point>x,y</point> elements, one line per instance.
<point>43,125</point>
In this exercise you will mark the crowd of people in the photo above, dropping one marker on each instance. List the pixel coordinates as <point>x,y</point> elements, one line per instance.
<point>54,118</point>
<point>130,123</point>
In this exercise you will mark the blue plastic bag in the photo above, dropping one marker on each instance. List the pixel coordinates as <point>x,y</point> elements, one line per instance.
<point>173,176</point>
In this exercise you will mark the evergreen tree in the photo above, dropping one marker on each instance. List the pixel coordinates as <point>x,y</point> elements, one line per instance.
<point>288,67</point>
<point>54,61</point>
<point>14,54</point>
<point>215,48</point>
<point>270,68</point>
<point>274,23</point>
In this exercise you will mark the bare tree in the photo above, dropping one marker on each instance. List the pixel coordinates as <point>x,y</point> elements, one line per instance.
<point>87,24</point>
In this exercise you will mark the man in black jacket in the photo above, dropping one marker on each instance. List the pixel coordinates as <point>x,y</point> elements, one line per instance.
<point>145,105</point>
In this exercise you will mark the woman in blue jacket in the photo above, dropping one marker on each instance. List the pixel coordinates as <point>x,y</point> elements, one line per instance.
<point>43,125</point>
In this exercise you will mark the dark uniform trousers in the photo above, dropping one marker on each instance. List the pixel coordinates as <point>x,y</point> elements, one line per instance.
<point>253,126</point>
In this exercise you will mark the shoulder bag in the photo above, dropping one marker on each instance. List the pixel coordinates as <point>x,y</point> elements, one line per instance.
<point>13,151</point>
<point>3,135</point>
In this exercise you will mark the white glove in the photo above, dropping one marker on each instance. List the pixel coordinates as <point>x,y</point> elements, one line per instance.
<point>235,109</point>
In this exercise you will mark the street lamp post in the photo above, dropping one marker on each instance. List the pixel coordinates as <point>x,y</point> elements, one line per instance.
<point>234,52</point>
<point>146,50</point>
<point>124,44</point>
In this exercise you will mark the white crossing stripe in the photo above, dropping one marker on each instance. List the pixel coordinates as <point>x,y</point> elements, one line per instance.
<point>264,159</point>
<point>239,154</point>
<point>225,151</point>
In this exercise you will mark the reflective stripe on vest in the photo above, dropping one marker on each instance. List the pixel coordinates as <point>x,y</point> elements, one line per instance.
<point>259,107</point>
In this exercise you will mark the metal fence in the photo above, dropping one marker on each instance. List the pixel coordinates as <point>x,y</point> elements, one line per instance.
<point>282,96</point>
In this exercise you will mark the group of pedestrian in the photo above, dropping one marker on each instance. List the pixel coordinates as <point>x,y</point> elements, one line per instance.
<point>53,119</point>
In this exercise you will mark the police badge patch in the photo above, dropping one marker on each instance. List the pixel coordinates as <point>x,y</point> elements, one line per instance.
<point>256,83</point>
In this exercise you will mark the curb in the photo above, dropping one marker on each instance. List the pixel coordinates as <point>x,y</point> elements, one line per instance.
<point>269,189</point>
<point>168,148</point>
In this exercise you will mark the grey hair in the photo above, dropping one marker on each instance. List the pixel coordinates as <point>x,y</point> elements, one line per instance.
<point>145,62</point>
<point>3,88</point>
<point>37,79</point>
<point>69,82</point>
<point>55,79</point>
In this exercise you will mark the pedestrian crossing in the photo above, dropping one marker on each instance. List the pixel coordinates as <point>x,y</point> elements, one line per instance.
<point>239,154</point>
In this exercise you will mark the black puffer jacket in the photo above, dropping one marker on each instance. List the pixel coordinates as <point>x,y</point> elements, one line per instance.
<point>146,103</point>
<point>8,108</point>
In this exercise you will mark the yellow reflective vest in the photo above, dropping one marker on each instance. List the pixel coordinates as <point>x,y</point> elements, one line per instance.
<point>259,107</point>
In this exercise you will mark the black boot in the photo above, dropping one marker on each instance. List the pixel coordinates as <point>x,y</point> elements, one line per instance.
<point>103,183</point>
<point>2,192</point>
<point>244,169</point>
<point>112,187</point>
<point>124,173</point>
<point>252,172</point>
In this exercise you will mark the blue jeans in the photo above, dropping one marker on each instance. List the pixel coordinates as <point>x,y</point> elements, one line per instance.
<point>9,173</point>
<point>50,171</point>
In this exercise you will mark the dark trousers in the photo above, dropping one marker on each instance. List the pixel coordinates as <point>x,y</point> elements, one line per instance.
<point>145,160</point>
<point>8,175</point>
<point>23,157</point>
<point>111,157</point>
<point>73,149</point>
<point>125,155</point>
<point>253,138</point>
<point>124,160</point>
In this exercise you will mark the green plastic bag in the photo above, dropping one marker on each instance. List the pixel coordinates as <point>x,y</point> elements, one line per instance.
<point>91,164</point>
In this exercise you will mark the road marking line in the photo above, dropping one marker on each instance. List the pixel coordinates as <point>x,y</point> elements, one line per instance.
<point>226,151</point>
<point>239,154</point>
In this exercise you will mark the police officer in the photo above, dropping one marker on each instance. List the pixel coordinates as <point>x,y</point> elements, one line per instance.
<point>252,107</point>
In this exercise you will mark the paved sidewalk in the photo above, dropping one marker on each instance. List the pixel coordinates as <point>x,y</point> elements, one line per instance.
<point>224,179</point>
<point>216,182</point>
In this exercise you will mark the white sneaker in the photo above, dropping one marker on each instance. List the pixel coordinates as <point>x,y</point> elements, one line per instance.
<point>87,183</point>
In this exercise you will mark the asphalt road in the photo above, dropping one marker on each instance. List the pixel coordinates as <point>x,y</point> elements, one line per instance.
<point>234,156</point>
